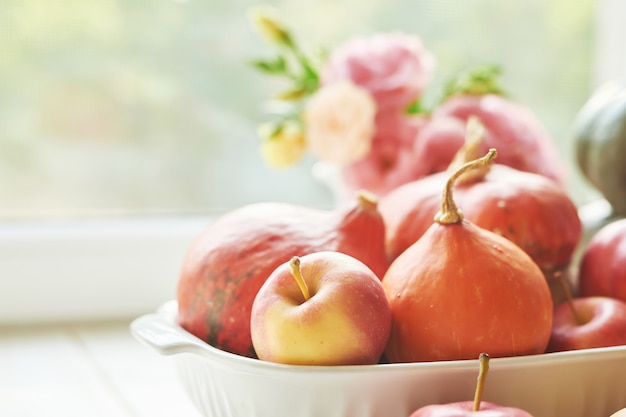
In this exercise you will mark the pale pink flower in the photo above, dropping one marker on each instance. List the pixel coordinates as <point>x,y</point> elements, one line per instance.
<point>394,67</point>
<point>339,119</point>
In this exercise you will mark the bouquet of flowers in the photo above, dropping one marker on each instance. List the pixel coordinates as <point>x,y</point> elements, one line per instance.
<point>360,108</point>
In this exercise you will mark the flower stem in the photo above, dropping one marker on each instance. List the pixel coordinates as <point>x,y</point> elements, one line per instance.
<point>297,275</point>
<point>309,79</point>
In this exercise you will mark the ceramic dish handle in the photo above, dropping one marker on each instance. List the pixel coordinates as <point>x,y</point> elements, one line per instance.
<point>162,336</point>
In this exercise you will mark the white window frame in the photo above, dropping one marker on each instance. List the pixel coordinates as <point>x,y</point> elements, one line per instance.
<point>609,46</point>
<point>91,269</point>
<point>94,270</point>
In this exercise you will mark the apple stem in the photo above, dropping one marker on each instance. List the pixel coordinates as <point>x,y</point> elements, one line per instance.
<point>449,212</point>
<point>568,297</point>
<point>480,384</point>
<point>297,275</point>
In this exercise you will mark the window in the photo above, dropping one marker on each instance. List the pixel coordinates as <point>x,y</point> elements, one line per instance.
<point>139,118</point>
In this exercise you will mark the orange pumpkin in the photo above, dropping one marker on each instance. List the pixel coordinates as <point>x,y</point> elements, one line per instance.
<point>532,211</point>
<point>460,290</point>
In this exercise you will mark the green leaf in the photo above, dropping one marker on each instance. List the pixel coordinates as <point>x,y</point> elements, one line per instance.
<point>278,66</point>
<point>417,107</point>
<point>480,80</point>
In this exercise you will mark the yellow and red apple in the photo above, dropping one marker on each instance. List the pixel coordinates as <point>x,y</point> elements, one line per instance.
<point>323,308</point>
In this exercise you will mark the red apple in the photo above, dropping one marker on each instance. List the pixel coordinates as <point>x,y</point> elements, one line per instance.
<point>477,407</point>
<point>588,322</point>
<point>603,265</point>
<point>465,408</point>
<point>324,308</point>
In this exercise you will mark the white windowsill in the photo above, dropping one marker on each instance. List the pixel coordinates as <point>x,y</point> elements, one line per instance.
<point>90,270</point>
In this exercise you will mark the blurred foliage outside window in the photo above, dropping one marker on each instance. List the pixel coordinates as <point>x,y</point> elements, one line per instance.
<point>111,106</point>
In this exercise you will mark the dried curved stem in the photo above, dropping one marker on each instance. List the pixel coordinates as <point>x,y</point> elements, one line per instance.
<point>449,212</point>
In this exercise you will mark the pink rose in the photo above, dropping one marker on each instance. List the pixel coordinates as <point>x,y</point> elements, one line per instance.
<point>394,67</point>
<point>391,161</point>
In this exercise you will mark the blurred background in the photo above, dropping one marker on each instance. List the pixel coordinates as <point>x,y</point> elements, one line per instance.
<point>125,125</point>
<point>112,107</point>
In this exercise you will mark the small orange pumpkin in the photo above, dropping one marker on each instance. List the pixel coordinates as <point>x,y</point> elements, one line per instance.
<point>532,211</point>
<point>460,290</point>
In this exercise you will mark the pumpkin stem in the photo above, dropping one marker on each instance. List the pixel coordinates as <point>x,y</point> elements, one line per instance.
<point>471,149</point>
<point>367,200</point>
<point>449,212</point>
<point>480,384</point>
<point>294,263</point>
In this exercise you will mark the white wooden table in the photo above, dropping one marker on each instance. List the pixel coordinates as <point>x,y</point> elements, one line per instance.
<point>84,370</point>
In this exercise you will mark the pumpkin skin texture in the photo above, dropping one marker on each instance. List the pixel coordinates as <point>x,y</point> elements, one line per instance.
<point>534,213</point>
<point>408,211</point>
<point>528,209</point>
<point>600,138</point>
<point>602,270</point>
<point>461,290</point>
<point>228,263</point>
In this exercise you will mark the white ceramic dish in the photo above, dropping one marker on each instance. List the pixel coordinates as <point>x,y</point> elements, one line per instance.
<point>585,383</point>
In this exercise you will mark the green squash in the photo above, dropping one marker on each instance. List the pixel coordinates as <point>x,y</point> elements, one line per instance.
<point>600,139</point>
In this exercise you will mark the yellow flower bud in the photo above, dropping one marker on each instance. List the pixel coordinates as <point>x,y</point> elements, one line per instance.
<point>292,95</point>
<point>282,146</point>
<point>265,20</point>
